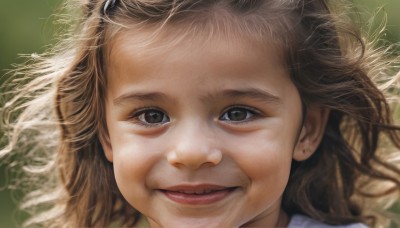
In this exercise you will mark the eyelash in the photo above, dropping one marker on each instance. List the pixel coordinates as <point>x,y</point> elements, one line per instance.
<point>137,113</point>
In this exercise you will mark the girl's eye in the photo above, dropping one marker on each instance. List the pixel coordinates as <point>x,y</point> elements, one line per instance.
<point>237,114</point>
<point>151,116</point>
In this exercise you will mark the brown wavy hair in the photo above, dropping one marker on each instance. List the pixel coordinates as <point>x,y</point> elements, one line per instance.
<point>53,112</point>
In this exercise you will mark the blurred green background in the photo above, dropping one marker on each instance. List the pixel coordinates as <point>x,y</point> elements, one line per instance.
<point>26,27</point>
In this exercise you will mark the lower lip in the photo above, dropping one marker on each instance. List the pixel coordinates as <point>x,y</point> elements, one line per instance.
<point>198,199</point>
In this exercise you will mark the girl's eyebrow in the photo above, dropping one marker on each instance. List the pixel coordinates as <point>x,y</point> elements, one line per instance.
<point>252,93</point>
<point>152,96</point>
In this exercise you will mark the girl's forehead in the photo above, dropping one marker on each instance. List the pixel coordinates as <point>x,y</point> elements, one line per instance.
<point>150,41</point>
<point>141,58</point>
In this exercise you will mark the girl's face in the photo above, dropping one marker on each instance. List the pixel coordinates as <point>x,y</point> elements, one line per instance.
<point>202,134</point>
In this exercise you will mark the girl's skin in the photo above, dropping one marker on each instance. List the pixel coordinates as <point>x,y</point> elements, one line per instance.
<point>223,117</point>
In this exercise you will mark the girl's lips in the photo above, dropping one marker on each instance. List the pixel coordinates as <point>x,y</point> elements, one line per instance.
<point>197,195</point>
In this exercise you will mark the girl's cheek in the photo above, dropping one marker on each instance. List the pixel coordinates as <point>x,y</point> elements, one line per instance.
<point>135,156</point>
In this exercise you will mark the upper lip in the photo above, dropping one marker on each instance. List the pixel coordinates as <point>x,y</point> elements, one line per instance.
<point>196,189</point>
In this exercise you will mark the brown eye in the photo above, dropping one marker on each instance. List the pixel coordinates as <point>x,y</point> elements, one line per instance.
<point>237,114</point>
<point>152,117</point>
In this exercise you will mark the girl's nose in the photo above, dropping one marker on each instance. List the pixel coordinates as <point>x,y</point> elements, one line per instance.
<point>194,147</point>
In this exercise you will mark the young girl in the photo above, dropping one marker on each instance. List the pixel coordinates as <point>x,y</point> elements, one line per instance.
<point>223,113</point>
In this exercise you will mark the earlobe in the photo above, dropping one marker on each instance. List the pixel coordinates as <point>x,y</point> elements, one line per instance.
<point>106,145</point>
<point>311,132</point>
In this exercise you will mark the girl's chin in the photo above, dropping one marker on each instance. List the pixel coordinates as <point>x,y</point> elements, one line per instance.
<point>191,222</point>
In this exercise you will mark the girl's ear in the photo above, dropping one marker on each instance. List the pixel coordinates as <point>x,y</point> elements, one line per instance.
<point>106,145</point>
<point>311,132</point>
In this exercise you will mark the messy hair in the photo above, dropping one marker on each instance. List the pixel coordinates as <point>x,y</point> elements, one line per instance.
<point>53,112</point>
